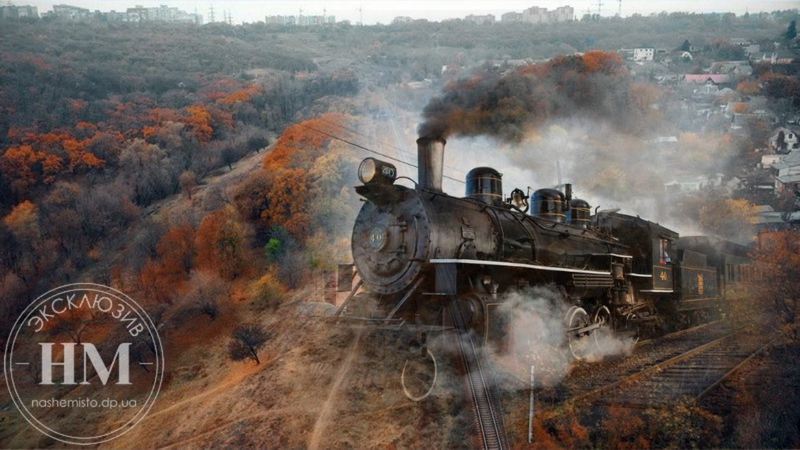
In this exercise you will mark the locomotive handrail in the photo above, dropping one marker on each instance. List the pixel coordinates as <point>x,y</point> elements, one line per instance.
<point>520,265</point>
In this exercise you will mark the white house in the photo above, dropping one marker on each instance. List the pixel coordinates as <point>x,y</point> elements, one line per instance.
<point>644,54</point>
<point>784,140</point>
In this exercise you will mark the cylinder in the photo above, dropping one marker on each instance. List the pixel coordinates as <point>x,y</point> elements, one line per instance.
<point>430,163</point>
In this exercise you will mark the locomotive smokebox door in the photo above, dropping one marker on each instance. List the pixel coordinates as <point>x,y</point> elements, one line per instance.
<point>344,278</point>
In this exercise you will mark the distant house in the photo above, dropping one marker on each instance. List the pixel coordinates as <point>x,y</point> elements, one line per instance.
<point>768,161</point>
<point>735,68</point>
<point>706,78</point>
<point>18,12</point>
<point>741,42</point>
<point>784,140</point>
<point>780,57</point>
<point>511,17</point>
<point>761,181</point>
<point>787,182</point>
<point>486,19</point>
<point>788,167</point>
<point>70,12</point>
<point>424,84</point>
<point>402,19</point>
<point>644,54</point>
<point>752,50</point>
<point>693,184</point>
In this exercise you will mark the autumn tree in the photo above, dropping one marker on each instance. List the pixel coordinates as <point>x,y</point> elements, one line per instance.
<point>23,221</point>
<point>188,181</point>
<point>778,266</point>
<point>246,341</point>
<point>148,170</point>
<point>267,291</point>
<point>205,293</point>
<point>221,243</point>
<point>198,118</point>
<point>176,250</point>
<point>73,323</point>
<point>748,87</point>
<point>728,218</point>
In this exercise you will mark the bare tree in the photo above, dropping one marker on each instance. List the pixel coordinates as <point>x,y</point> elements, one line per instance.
<point>74,323</point>
<point>247,340</point>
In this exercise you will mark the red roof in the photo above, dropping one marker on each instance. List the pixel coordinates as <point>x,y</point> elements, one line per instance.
<point>716,78</point>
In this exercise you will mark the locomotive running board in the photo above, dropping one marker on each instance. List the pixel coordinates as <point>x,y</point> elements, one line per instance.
<point>480,262</point>
<point>380,323</point>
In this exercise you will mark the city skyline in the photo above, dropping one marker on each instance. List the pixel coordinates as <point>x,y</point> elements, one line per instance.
<point>244,11</point>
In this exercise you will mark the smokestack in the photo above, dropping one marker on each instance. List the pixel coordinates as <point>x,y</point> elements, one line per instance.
<point>430,163</point>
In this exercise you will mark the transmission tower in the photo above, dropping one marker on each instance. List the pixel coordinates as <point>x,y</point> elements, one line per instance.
<point>599,8</point>
<point>211,14</point>
<point>619,8</point>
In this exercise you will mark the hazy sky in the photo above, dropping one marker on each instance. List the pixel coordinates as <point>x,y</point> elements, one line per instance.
<point>385,11</point>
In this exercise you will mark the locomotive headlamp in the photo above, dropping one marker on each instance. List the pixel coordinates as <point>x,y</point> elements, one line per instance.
<point>373,170</point>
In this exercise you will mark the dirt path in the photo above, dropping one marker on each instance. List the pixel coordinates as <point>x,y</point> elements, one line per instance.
<point>328,407</point>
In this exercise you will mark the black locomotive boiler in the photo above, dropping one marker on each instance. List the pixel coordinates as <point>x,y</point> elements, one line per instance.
<point>420,254</point>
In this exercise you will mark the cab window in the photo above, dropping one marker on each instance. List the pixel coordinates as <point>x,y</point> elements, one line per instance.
<point>664,251</point>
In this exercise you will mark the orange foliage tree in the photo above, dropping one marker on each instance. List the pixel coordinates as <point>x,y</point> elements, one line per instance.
<point>289,190</point>
<point>730,218</point>
<point>23,221</point>
<point>162,276</point>
<point>199,120</point>
<point>176,250</point>
<point>221,243</point>
<point>242,95</point>
<point>600,61</point>
<point>748,87</point>
<point>23,166</point>
<point>778,264</point>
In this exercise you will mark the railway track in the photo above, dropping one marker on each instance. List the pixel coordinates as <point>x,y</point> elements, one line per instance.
<point>488,414</point>
<point>688,375</point>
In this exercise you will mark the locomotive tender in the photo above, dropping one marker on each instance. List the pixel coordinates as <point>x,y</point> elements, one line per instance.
<point>419,252</point>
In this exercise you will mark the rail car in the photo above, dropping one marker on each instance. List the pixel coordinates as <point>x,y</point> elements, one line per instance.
<point>419,254</point>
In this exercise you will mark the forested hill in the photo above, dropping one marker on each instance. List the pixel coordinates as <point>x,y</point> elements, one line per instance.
<point>99,121</point>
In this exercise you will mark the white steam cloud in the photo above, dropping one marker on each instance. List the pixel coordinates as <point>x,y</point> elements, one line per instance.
<point>536,327</point>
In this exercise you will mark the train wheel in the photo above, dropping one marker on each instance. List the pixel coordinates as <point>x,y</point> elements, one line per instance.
<point>632,327</point>
<point>602,317</point>
<point>580,342</point>
<point>419,374</point>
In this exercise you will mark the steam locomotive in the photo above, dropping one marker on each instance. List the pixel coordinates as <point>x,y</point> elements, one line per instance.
<point>419,252</point>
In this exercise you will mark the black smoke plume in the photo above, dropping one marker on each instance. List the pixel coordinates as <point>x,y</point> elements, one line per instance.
<point>508,105</point>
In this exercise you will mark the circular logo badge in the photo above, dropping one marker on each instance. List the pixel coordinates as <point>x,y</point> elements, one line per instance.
<point>84,363</point>
<point>377,237</point>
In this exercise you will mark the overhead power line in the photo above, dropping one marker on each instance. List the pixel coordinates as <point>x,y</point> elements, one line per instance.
<point>333,136</point>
